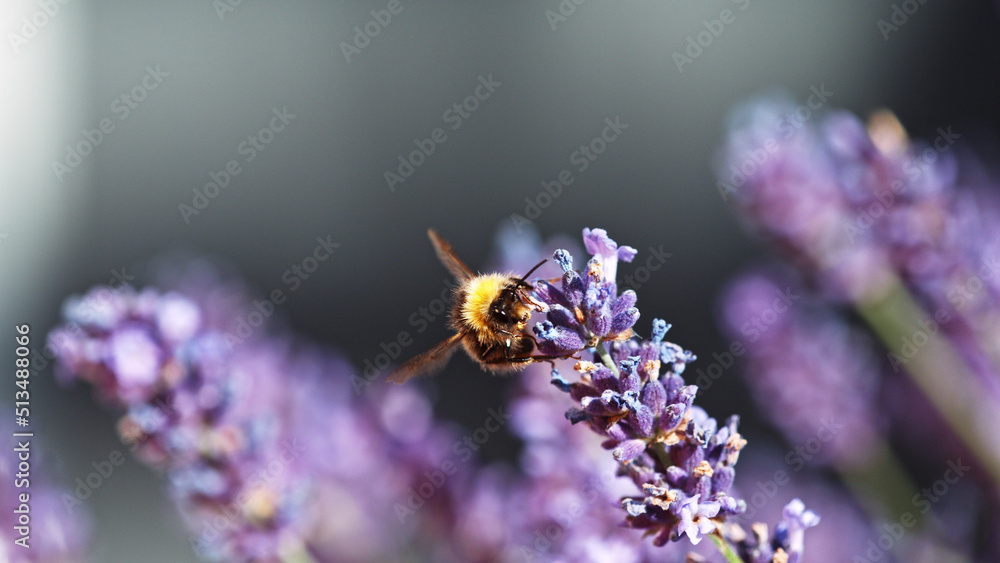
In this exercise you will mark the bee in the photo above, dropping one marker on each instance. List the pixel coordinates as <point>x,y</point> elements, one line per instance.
<point>489,315</point>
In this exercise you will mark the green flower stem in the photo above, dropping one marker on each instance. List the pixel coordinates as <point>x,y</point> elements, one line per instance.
<point>724,548</point>
<point>660,451</point>
<point>882,476</point>
<point>936,368</point>
<point>602,351</point>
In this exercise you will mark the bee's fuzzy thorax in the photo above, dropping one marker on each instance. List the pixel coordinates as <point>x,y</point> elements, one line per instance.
<point>480,293</point>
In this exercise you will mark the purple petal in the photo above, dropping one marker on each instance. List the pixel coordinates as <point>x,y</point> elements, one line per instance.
<point>550,294</point>
<point>626,253</point>
<point>654,396</point>
<point>607,251</point>
<point>596,407</point>
<point>624,321</point>
<point>597,242</point>
<point>685,395</point>
<point>616,432</point>
<point>699,486</point>
<point>564,259</point>
<point>672,416</point>
<point>675,476</point>
<point>554,340</point>
<point>177,318</point>
<point>629,450</point>
<point>598,311</point>
<point>660,328</point>
<point>723,479</point>
<point>134,357</point>
<point>642,421</point>
<point>604,379</point>
<point>624,302</point>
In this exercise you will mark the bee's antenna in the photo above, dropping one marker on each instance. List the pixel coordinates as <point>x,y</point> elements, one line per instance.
<point>538,265</point>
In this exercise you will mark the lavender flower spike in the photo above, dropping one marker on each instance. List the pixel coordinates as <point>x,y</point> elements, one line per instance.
<point>680,460</point>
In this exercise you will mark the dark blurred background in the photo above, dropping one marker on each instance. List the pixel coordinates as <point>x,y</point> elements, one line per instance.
<point>216,73</point>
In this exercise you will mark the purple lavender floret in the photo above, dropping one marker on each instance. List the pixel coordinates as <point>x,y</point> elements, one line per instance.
<point>586,309</point>
<point>809,372</point>
<point>696,518</point>
<point>607,251</point>
<point>785,545</point>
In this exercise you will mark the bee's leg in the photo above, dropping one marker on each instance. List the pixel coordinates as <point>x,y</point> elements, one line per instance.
<point>513,335</point>
<point>529,337</point>
<point>519,335</point>
<point>542,358</point>
<point>547,358</point>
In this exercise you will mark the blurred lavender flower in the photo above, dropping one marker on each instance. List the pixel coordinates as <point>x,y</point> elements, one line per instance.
<point>212,420</point>
<point>801,192</point>
<point>57,535</point>
<point>256,442</point>
<point>859,207</point>
<point>814,377</point>
<point>907,233</point>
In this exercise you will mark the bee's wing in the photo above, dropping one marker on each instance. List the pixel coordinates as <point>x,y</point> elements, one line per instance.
<point>428,362</point>
<point>447,257</point>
